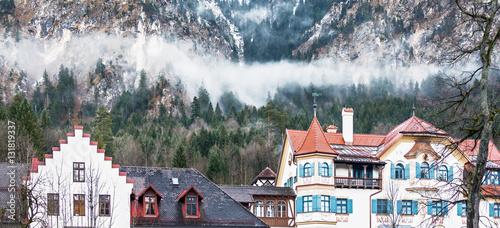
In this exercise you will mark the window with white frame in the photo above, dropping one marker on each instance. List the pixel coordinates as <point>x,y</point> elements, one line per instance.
<point>270,208</point>
<point>259,208</point>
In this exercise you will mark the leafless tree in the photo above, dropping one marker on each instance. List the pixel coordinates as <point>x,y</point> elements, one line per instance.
<point>481,21</point>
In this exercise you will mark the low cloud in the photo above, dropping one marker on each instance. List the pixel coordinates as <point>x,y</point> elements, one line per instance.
<point>251,82</point>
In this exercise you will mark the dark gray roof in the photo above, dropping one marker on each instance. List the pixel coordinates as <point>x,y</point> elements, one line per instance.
<point>359,151</point>
<point>217,209</point>
<point>244,194</point>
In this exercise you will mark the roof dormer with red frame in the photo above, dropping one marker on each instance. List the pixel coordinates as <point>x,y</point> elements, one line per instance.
<point>190,199</point>
<point>148,203</point>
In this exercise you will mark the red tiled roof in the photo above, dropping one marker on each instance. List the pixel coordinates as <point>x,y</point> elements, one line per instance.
<point>412,125</point>
<point>490,190</point>
<point>471,148</point>
<point>315,141</point>
<point>267,173</point>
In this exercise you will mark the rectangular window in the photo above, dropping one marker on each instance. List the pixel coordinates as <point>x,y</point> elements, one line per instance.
<point>342,206</point>
<point>191,203</point>
<point>325,203</point>
<point>79,204</point>
<point>406,207</point>
<point>52,204</point>
<point>436,208</point>
<point>382,206</point>
<point>104,205</point>
<point>496,210</point>
<point>308,203</point>
<point>149,205</point>
<point>78,172</point>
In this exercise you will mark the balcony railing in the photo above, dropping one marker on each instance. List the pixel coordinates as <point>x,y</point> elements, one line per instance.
<point>282,222</point>
<point>356,182</point>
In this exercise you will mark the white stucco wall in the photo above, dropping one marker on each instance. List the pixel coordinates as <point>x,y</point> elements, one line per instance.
<point>56,176</point>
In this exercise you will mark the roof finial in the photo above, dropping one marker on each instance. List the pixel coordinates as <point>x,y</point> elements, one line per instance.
<point>315,105</point>
<point>413,109</point>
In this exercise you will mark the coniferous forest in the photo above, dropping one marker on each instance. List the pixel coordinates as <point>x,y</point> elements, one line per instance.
<point>230,142</point>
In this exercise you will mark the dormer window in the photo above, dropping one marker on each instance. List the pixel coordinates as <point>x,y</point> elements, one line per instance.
<point>192,205</point>
<point>190,199</point>
<point>149,202</point>
<point>150,205</point>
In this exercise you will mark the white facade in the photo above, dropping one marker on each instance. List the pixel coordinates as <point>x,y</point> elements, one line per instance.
<point>78,179</point>
<point>417,196</point>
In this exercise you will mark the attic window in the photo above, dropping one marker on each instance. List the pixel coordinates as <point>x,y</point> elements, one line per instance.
<point>190,199</point>
<point>175,181</point>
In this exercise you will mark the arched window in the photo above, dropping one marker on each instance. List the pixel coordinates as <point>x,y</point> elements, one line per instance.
<point>400,171</point>
<point>324,169</point>
<point>270,208</point>
<point>443,173</point>
<point>259,208</point>
<point>424,171</point>
<point>282,209</point>
<point>307,170</point>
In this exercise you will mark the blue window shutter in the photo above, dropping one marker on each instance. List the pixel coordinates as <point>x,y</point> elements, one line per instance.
<point>417,169</point>
<point>374,206</point>
<point>492,211</point>
<point>318,203</point>
<point>349,206</point>
<point>450,173</point>
<point>429,207</point>
<point>333,204</point>
<point>301,170</point>
<point>391,206</point>
<point>299,204</point>
<point>415,207</point>
<point>459,209</point>
<point>315,203</point>
<point>297,170</point>
<point>432,171</point>
<point>320,170</point>
<point>407,171</point>
<point>393,171</point>
<point>445,208</point>
<point>400,206</point>
<point>312,168</point>
<point>330,170</point>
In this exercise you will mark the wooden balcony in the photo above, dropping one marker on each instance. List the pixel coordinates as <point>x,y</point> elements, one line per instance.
<point>355,182</point>
<point>282,222</point>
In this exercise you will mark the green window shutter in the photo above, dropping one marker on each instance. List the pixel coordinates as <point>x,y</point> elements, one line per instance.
<point>492,210</point>
<point>399,206</point>
<point>390,205</point>
<point>299,204</point>
<point>312,168</point>
<point>301,170</point>
<point>445,208</point>
<point>349,206</point>
<point>459,209</point>
<point>333,204</point>
<point>415,207</point>
<point>450,173</point>
<point>432,170</point>
<point>393,171</point>
<point>374,206</point>
<point>407,171</point>
<point>417,169</point>
<point>330,170</point>
<point>429,207</point>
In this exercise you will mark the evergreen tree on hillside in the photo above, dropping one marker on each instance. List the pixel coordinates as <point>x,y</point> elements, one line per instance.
<point>102,131</point>
<point>180,159</point>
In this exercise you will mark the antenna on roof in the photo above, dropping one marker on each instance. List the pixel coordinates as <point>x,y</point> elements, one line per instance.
<point>315,105</point>
<point>413,109</point>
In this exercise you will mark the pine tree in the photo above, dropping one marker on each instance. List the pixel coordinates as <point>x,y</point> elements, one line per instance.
<point>45,119</point>
<point>180,159</point>
<point>102,131</point>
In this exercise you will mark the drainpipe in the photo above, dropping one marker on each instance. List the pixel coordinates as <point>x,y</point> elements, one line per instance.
<point>381,188</point>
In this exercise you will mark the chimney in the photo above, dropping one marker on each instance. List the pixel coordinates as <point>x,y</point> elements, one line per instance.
<point>347,125</point>
<point>332,129</point>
